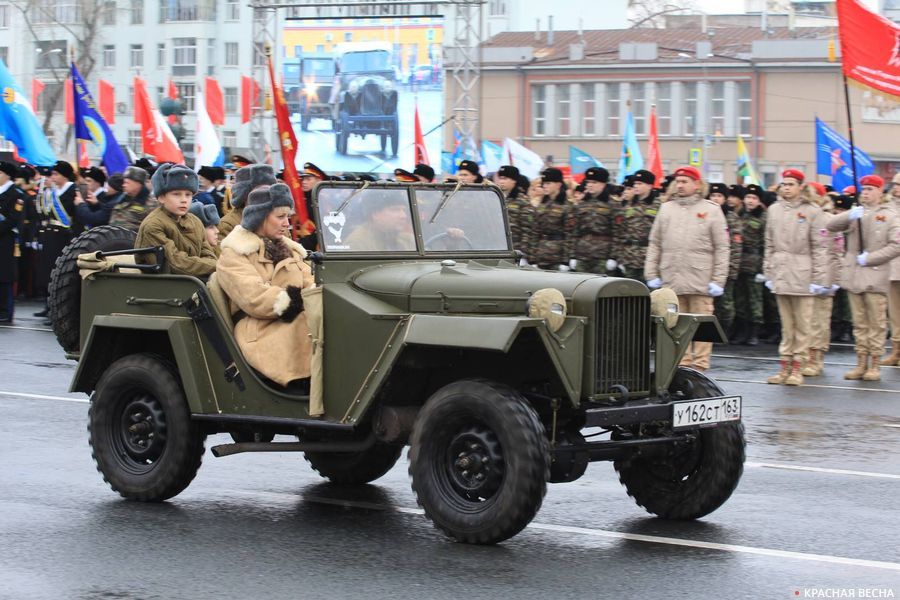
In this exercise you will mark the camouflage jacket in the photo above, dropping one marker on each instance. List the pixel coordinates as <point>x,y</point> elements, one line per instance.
<point>736,241</point>
<point>521,222</point>
<point>632,230</point>
<point>593,230</point>
<point>753,232</point>
<point>554,228</point>
<point>130,212</point>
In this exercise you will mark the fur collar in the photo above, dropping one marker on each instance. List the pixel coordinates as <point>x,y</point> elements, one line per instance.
<point>246,242</point>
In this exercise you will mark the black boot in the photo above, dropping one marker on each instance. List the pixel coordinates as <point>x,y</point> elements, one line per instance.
<point>836,327</point>
<point>846,336</point>
<point>753,335</point>
<point>740,333</point>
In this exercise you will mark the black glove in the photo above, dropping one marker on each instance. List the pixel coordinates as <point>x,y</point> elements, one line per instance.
<point>296,305</point>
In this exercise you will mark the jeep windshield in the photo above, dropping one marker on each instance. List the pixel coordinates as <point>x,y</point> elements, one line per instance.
<point>382,219</point>
<point>318,68</point>
<point>365,62</point>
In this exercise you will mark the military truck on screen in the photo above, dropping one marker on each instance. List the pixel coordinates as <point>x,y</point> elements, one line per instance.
<point>499,378</point>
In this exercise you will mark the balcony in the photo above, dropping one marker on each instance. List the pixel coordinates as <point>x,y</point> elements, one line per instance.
<point>181,11</point>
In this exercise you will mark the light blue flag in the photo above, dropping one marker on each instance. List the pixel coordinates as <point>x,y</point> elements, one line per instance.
<point>631,160</point>
<point>492,156</point>
<point>90,126</point>
<point>19,124</point>
<point>581,161</point>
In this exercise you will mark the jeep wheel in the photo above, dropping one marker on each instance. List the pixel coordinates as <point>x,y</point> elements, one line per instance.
<point>692,479</point>
<point>142,437</point>
<point>65,282</point>
<point>394,135</point>
<point>479,461</point>
<point>355,467</point>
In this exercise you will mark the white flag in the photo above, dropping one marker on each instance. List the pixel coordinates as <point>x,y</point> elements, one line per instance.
<point>529,163</point>
<point>207,148</point>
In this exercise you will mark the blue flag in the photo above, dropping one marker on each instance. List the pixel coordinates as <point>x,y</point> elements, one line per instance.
<point>581,161</point>
<point>90,126</point>
<point>19,124</point>
<point>631,160</point>
<point>833,157</point>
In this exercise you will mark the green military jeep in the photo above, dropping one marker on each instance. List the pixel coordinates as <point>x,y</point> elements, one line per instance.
<point>500,378</point>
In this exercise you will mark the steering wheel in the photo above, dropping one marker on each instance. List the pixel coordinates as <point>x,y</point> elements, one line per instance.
<point>468,245</point>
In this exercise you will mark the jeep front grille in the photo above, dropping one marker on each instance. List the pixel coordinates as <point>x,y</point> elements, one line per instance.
<point>623,344</point>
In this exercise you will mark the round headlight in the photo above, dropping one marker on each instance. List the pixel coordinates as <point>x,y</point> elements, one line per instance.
<point>664,303</point>
<point>548,304</point>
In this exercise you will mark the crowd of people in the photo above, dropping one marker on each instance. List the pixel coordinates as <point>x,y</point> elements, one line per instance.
<point>798,264</point>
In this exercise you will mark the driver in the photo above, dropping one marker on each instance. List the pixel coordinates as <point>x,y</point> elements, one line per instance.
<point>388,224</point>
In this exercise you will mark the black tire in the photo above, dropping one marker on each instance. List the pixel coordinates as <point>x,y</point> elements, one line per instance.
<point>471,428</point>
<point>355,467</point>
<point>693,480</point>
<point>150,464</point>
<point>383,139</point>
<point>304,122</point>
<point>64,291</point>
<point>394,135</point>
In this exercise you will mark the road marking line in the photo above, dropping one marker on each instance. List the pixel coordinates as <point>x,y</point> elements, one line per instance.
<point>762,465</point>
<point>897,425</point>
<point>43,397</point>
<point>776,359</point>
<point>23,327</point>
<point>811,385</point>
<point>604,533</point>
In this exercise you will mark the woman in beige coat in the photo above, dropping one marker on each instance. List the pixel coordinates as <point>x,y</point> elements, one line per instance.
<point>262,272</point>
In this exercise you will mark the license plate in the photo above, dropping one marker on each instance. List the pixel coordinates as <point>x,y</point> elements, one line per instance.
<point>696,413</point>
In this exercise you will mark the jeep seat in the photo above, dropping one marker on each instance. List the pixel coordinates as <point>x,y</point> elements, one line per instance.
<point>219,298</point>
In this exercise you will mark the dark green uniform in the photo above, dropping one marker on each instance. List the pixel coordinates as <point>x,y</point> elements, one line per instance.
<point>129,212</point>
<point>554,228</point>
<point>521,222</point>
<point>725,304</point>
<point>749,293</point>
<point>593,233</point>
<point>632,234</point>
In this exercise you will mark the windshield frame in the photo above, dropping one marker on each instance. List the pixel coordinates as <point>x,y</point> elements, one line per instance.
<point>418,229</point>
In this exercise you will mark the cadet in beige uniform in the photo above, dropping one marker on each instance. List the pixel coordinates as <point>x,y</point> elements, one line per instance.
<point>795,268</point>
<point>688,252</point>
<point>867,272</point>
<point>893,358</point>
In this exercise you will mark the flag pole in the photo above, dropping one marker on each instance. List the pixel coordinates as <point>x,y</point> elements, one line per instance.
<point>853,156</point>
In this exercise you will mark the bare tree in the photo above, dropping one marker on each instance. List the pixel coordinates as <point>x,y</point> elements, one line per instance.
<point>651,13</point>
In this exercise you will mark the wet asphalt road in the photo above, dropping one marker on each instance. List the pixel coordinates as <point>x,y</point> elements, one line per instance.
<point>818,509</point>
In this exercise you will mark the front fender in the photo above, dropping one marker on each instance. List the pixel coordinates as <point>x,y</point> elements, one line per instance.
<point>671,344</point>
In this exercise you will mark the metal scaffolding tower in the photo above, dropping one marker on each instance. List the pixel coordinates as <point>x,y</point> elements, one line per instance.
<point>462,56</point>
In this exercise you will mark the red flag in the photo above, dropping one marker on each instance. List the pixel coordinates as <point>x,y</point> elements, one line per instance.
<point>37,86</point>
<point>870,47</point>
<point>84,161</point>
<point>421,153</point>
<point>69,99</point>
<point>173,94</point>
<point>249,98</point>
<point>215,102</point>
<point>156,137</point>
<point>106,101</point>
<point>654,159</point>
<point>288,155</point>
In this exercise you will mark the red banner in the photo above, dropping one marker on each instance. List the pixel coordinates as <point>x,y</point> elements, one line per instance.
<point>173,94</point>
<point>215,102</point>
<point>654,159</point>
<point>84,161</point>
<point>870,47</point>
<point>37,86</point>
<point>106,101</point>
<point>421,153</point>
<point>156,137</point>
<point>288,142</point>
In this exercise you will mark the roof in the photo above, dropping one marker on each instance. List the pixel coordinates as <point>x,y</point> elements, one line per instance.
<point>602,46</point>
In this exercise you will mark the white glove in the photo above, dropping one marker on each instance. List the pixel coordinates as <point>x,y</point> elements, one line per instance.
<point>654,283</point>
<point>523,262</point>
<point>818,290</point>
<point>611,265</point>
<point>834,289</point>
<point>770,285</point>
<point>760,278</point>
<point>862,258</point>
<point>573,264</point>
<point>856,212</point>
<point>715,290</point>
<point>564,268</point>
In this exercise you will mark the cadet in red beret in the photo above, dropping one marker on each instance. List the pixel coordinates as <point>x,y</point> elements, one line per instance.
<point>893,358</point>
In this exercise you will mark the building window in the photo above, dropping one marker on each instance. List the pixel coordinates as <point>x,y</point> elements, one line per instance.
<point>63,12</point>
<point>4,16</point>
<point>4,55</point>
<point>109,12</point>
<point>232,10</point>
<point>51,54</point>
<point>497,8</point>
<point>134,140</point>
<point>131,98</point>
<point>298,51</point>
<point>231,54</point>
<point>563,110</point>
<point>231,100</point>
<point>539,108</point>
<point>690,108</point>
<point>717,106</point>
<point>211,57</point>
<point>229,139</point>
<point>184,60</point>
<point>161,55</point>
<point>259,54</point>
<point>136,55</point>
<point>588,109</point>
<point>638,107</point>
<point>664,108</point>
<point>186,93</point>
<point>137,12</point>
<point>348,36</point>
<point>613,101</point>
<point>745,103</point>
<point>320,48</point>
<point>187,10</point>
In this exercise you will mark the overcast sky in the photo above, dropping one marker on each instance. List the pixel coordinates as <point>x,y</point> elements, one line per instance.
<point>737,6</point>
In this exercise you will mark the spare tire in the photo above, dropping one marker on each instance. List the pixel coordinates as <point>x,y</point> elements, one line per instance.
<point>64,290</point>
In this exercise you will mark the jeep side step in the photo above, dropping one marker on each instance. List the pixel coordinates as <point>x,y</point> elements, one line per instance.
<point>349,446</point>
